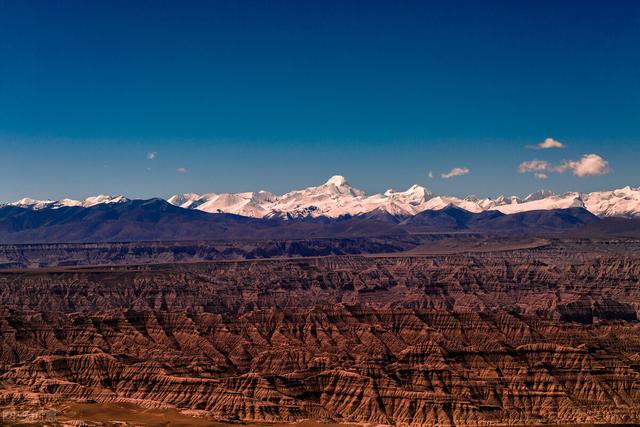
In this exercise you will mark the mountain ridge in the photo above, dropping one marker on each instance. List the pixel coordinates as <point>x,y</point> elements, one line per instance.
<point>336,198</point>
<point>157,219</point>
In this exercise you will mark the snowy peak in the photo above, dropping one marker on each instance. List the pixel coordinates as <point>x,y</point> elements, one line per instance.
<point>34,204</point>
<point>506,200</point>
<point>70,202</point>
<point>184,200</point>
<point>103,199</point>
<point>539,195</point>
<point>621,202</point>
<point>337,180</point>
<point>336,185</point>
<point>565,201</point>
<point>30,203</point>
<point>246,204</point>
<point>415,195</point>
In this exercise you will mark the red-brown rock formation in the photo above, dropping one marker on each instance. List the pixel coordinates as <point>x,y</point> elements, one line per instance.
<point>520,337</point>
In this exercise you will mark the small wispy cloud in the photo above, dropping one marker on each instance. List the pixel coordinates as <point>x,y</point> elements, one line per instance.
<point>181,170</point>
<point>151,155</point>
<point>547,144</point>
<point>534,165</point>
<point>455,172</point>
<point>588,165</point>
<point>430,174</point>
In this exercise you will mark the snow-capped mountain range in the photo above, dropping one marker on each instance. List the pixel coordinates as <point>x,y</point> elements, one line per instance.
<point>336,198</point>
<point>53,204</point>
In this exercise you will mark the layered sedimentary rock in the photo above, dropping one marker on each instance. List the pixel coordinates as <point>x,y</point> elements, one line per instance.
<point>83,254</point>
<point>518,337</point>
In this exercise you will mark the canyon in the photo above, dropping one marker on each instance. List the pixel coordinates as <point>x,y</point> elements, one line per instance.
<point>512,335</point>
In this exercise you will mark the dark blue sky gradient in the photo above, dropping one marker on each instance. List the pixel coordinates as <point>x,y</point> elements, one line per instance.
<point>282,94</point>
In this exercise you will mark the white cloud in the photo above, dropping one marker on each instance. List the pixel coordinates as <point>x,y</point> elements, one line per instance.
<point>588,165</point>
<point>151,155</point>
<point>430,174</point>
<point>455,172</point>
<point>546,144</point>
<point>534,165</point>
<point>181,170</point>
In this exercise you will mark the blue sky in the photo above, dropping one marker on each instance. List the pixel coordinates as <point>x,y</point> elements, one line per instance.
<point>283,94</point>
